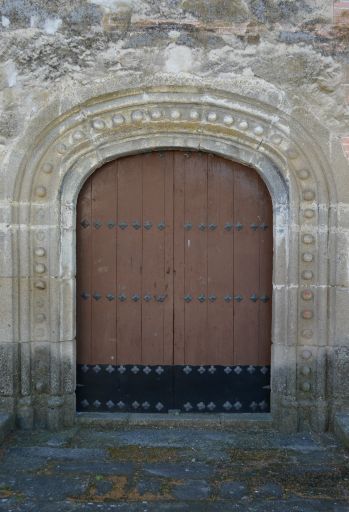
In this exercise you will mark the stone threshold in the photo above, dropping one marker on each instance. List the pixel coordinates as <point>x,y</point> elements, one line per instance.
<point>248,421</point>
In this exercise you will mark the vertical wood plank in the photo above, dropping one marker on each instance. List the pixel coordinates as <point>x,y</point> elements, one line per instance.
<point>196,259</point>
<point>83,278</point>
<point>153,276</point>
<point>129,260</point>
<point>220,249</point>
<point>179,163</point>
<point>246,266</point>
<point>103,250</point>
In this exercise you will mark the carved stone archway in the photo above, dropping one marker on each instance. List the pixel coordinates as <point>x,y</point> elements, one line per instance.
<point>255,133</point>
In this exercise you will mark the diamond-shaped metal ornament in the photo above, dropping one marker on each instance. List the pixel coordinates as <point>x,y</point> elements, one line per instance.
<point>238,298</point>
<point>251,369</point>
<point>123,225</point>
<point>98,224</point>
<point>146,405</point>
<point>135,404</point>
<point>159,406</point>
<point>97,296</point>
<point>253,406</point>
<point>85,403</point>
<point>238,370</point>
<point>85,368</point>
<point>120,404</point>
<point>201,298</point>
<point>147,297</point>
<point>110,369</point>
<point>147,370</point>
<point>187,370</point>
<point>201,370</point>
<point>254,227</point>
<point>111,224</point>
<point>160,298</point>
<point>148,225</point>
<point>202,227</point>
<point>228,298</point>
<point>264,298</point>
<point>161,226</point>
<point>159,370</point>
<point>211,370</point>
<point>201,406</point>
<point>135,370</point>
<point>212,227</point>
<point>122,297</point>
<point>136,225</point>
<point>121,369</point>
<point>188,298</point>
<point>85,295</point>
<point>264,370</point>
<point>228,226</point>
<point>187,407</point>
<point>85,223</point>
<point>254,298</point>
<point>135,297</point>
<point>227,370</point>
<point>227,406</point>
<point>211,406</point>
<point>263,405</point>
<point>237,405</point>
<point>97,404</point>
<point>263,226</point>
<point>110,404</point>
<point>239,226</point>
<point>188,226</point>
<point>212,298</point>
<point>110,297</point>
<point>96,368</point>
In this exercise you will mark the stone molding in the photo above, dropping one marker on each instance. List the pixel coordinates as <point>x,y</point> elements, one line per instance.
<point>72,146</point>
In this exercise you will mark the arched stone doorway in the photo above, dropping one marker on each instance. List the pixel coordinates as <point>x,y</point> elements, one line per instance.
<point>174,286</point>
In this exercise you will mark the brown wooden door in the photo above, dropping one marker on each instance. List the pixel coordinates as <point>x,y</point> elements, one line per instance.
<point>174,259</point>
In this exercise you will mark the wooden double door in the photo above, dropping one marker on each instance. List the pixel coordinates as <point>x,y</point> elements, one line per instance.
<point>174,285</point>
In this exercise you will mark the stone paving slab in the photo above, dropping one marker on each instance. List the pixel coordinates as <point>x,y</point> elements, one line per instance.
<point>144,469</point>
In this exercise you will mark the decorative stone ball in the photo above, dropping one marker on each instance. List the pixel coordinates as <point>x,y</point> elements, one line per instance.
<point>39,251</point>
<point>309,214</point>
<point>308,195</point>
<point>307,275</point>
<point>307,295</point>
<point>306,387</point>
<point>228,119</point>
<point>118,119</point>
<point>212,116</point>
<point>41,191</point>
<point>308,239</point>
<point>306,354</point>
<point>307,314</point>
<point>47,168</point>
<point>308,257</point>
<point>303,174</point>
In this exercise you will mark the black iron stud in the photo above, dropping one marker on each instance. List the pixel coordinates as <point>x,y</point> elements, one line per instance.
<point>97,296</point>
<point>110,224</point>
<point>254,298</point>
<point>239,226</point>
<point>202,227</point>
<point>201,298</point>
<point>228,298</point>
<point>238,298</point>
<point>254,227</point>
<point>136,224</point>
<point>264,298</point>
<point>122,297</point>
<point>147,297</point>
<point>188,298</point>
<point>212,227</point>
<point>148,225</point>
<point>85,223</point>
<point>228,226</point>
<point>135,297</point>
<point>212,298</point>
<point>123,225</point>
<point>161,226</point>
<point>264,226</point>
<point>85,295</point>
<point>160,298</point>
<point>110,296</point>
<point>98,224</point>
<point>188,226</point>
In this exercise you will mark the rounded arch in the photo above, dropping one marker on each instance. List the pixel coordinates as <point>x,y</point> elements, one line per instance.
<point>252,132</point>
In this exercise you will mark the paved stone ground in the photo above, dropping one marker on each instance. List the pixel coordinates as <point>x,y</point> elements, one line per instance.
<point>172,469</point>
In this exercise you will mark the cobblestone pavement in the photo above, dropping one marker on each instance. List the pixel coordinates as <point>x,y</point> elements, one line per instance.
<point>173,469</point>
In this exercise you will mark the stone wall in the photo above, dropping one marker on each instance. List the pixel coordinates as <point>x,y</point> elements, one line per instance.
<point>261,81</point>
